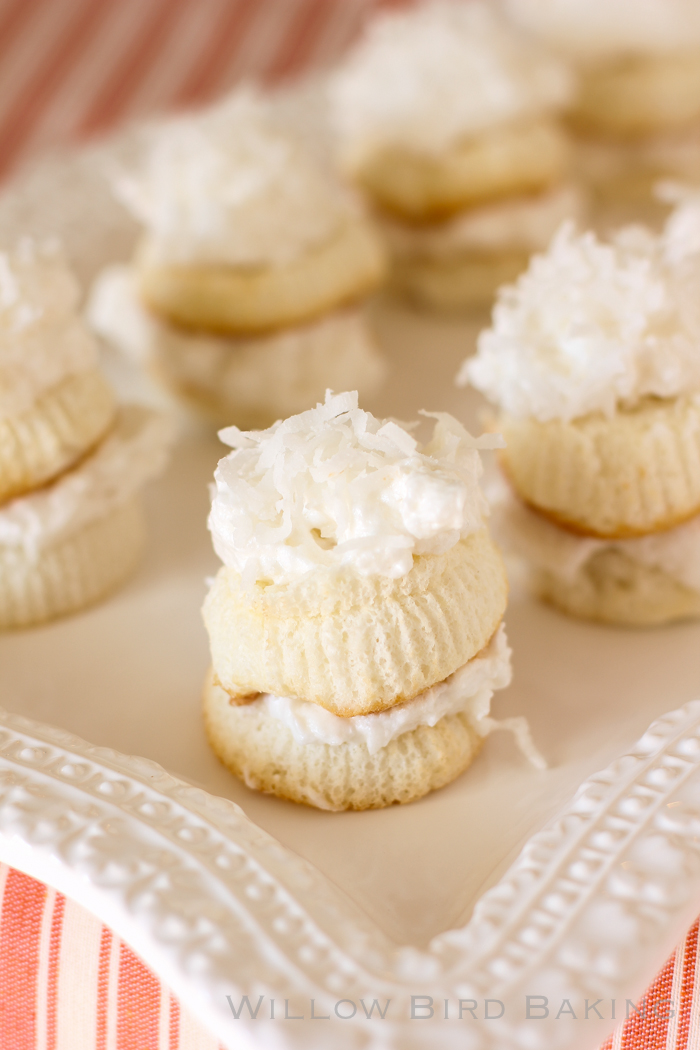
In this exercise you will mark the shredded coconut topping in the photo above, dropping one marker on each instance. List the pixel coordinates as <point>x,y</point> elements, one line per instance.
<point>681,239</point>
<point>437,73</point>
<point>135,451</point>
<point>42,338</point>
<point>590,326</point>
<point>595,30</point>
<point>232,186</point>
<point>334,486</point>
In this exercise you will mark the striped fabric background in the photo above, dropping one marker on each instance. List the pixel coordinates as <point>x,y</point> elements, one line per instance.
<point>71,69</point>
<point>68,983</point>
<point>74,68</point>
<point>668,1017</point>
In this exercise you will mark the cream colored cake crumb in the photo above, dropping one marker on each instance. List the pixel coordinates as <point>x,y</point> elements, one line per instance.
<point>263,753</point>
<point>63,425</point>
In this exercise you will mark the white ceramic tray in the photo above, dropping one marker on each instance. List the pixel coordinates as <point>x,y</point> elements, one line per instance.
<point>290,903</point>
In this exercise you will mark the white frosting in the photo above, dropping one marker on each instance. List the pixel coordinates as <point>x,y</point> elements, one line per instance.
<point>427,77</point>
<point>230,186</point>
<point>280,373</point>
<point>522,224</point>
<point>681,238</point>
<point>42,338</point>
<point>468,690</point>
<point>335,487</point>
<point>590,326</point>
<point>132,453</point>
<point>595,30</point>
<point>530,535</point>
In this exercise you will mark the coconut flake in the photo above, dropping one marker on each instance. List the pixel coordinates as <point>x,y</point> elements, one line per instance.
<point>42,337</point>
<point>591,326</point>
<point>232,186</point>
<point>334,487</point>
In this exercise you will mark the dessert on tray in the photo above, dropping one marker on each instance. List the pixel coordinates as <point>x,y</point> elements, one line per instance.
<point>447,120</point>
<point>593,361</point>
<point>55,405</point>
<point>355,626</point>
<point>639,62</point>
<point>638,102</point>
<point>245,292</point>
<point>71,461</point>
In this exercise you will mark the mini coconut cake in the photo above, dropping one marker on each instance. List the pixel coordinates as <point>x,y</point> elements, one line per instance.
<point>638,63</point>
<point>71,542</point>
<point>55,404</point>
<point>355,627</point>
<point>593,359</point>
<point>71,463</point>
<point>446,119</point>
<point>244,295</point>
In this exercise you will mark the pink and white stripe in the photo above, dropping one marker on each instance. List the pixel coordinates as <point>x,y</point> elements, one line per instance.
<point>68,983</point>
<point>70,69</point>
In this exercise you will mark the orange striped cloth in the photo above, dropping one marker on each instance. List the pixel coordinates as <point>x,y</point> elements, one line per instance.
<point>68,983</point>
<point>70,69</point>
<point>668,1016</point>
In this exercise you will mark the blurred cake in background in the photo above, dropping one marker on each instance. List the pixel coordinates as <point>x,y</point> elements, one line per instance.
<point>592,359</point>
<point>447,119</point>
<point>72,462</point>
<point>638,65</point>
<point>245,293</point>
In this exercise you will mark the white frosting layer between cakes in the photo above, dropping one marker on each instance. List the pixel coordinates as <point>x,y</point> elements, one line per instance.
<point>469,689</point>
<point>280,373</point>
<point>595,30</point>
<point>334,487</point>
<point>132,453</point>
<point>230,186</point>
<point>529,535</point>
<point>427,77</point>
<point>524,224</point>
<point>42,338</point>
<point>590,326</point>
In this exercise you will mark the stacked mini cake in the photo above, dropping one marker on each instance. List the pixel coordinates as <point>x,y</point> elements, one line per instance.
<point>355,627</point>
<point>593,360</point>
<point>71,462</point>
<point>639,83</point>
<point>245,291</point>
<point>446,119</point>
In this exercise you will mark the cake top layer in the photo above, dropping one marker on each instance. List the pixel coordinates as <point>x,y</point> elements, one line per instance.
<point>42,337</point>
<point>591,326</point>
<point>427,77</point>
<point>231,186</point>
<point>132,453</point>
<point>598,30</point>
<point>335,487</point>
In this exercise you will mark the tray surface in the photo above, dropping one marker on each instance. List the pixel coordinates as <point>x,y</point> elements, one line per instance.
<point>127,675</point>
